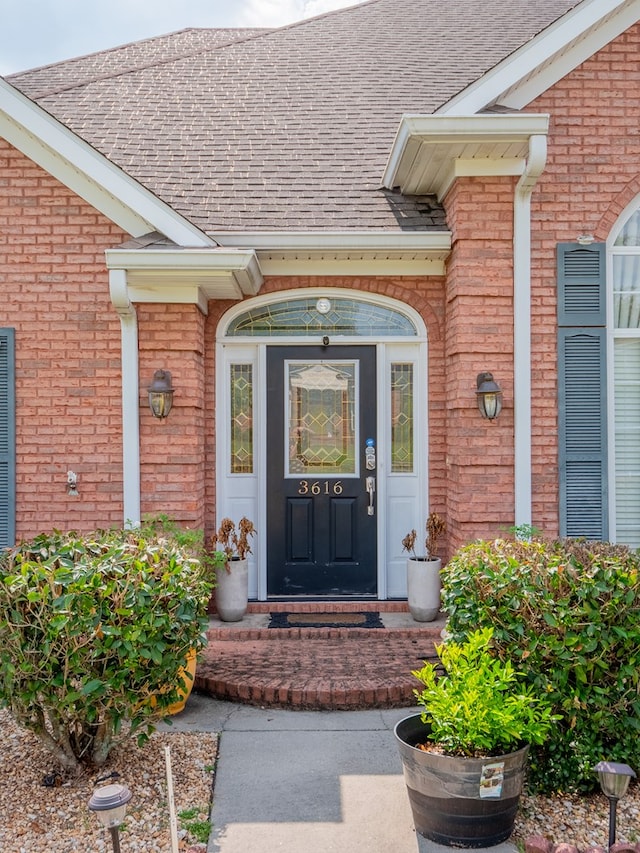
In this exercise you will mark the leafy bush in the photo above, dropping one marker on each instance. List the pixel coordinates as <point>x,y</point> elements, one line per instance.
<point>569,613</point>
<point>480,706</point>
<point>91,627</point>
<point>188,539</point>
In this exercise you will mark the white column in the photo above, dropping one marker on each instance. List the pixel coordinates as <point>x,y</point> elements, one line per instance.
<point>522,326</point>
<point>130,414</point>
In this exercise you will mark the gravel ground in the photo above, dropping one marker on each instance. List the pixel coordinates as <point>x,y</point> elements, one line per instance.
<point>581,821</point>
<point>39,819</point>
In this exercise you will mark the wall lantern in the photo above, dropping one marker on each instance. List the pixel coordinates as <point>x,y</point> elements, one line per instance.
<point>160,394</point>
<point>489,396</point>
<point>614,780</point>
<point>110,804</point>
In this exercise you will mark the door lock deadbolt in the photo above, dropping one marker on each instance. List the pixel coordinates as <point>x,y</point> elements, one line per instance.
<point>370,454</point>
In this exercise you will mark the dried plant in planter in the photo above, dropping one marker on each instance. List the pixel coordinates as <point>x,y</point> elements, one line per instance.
<point>435,528</point>
<point>232,543</point>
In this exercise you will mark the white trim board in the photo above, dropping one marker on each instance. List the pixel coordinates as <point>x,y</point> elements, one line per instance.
<point>548,57</point>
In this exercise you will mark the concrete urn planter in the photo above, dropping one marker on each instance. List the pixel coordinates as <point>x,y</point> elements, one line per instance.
<point>423,588</point>
<point>232,590</point>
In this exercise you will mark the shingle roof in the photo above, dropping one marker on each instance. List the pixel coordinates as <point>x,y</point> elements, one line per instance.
<point>76,72</point>
<point>289,129</point>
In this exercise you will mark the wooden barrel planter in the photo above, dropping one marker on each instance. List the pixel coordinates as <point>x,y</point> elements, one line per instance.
<point>459,802</point>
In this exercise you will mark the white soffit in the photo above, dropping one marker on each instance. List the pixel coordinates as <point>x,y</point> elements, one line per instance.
<point>431,151</point>
<point>344,253</point>
<point>548,57</point>
<point>77,165</point>
<point>187,275</point>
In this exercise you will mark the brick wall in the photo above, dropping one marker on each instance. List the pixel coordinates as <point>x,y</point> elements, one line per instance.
<point>55,294</point>
<point>592,174</point>
<point>172,451</point>
<point>479,337</point>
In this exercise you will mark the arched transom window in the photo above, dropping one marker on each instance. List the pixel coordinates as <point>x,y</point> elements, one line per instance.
<point>319,316</point>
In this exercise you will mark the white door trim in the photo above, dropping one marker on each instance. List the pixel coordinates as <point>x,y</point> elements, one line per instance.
<point>402,499</point>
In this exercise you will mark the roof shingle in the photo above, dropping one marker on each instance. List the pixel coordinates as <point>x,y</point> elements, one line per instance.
<point>291,128</point>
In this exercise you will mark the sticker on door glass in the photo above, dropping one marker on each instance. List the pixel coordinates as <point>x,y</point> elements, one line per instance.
<point>491,780</point>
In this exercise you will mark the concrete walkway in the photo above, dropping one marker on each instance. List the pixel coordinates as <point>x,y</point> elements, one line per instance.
<point>307,781</point>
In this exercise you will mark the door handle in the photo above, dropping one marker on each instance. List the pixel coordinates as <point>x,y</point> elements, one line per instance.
<point>371,488</point>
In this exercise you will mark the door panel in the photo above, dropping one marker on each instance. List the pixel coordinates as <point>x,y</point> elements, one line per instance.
<point>321,533</point>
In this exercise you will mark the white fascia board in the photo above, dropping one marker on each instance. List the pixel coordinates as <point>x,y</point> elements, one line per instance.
<point>81,168</point>
<point>473,128</point>
<point>329,241</point>
<point>421,137</point>
<point>327,267</point>
<point>345,253</point>
<point>572,39</point>
<point>187,260</point>
<point>521,94</point>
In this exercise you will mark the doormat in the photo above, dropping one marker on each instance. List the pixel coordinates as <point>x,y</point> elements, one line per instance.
<point>326,620</point>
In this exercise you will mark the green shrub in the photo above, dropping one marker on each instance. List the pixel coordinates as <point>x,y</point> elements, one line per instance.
<point>480,706</point>
<point>188,539</point>
<point>569,613</point>
<point>91,626</point>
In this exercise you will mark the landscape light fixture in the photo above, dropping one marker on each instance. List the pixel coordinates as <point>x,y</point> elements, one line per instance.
<point>614,780</point>
<point>110,804</point>
<point>489,396</point>
<point>160,394</point>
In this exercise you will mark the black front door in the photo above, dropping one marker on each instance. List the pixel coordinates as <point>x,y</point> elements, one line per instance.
<point>321,477</point>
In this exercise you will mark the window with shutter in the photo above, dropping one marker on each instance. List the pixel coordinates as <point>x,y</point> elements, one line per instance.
<point>7,438</point>
<point>625,321</point>
<point>582,422</point>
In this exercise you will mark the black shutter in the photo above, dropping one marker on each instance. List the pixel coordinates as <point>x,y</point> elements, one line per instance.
<point>7,439</point>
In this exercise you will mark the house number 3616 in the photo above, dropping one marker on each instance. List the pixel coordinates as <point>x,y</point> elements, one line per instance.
<point>328,487</point>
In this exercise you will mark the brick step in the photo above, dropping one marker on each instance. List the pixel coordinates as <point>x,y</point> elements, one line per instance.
<point>328,606</point>
<point>224,634</point>
<point>315,668</point>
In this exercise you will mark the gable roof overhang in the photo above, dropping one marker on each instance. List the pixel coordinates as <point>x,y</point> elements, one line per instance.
<point>431,151</point>
<point>77,165</point>
<point>198,272</point>
<point>547,58</point>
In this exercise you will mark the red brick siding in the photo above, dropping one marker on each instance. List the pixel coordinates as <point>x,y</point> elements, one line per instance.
<point>592,174</point>
<point>55,294</point>
<point>172,451</point>
<point>479,337</point>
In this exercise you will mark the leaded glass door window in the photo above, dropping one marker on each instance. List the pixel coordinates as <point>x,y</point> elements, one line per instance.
<point>321,423</point>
